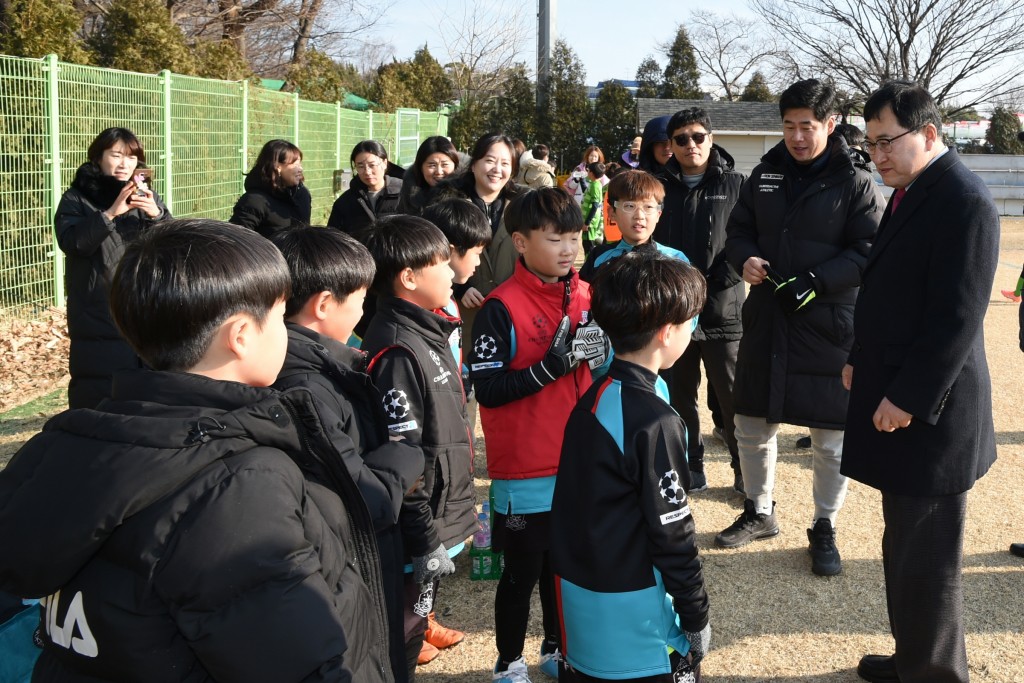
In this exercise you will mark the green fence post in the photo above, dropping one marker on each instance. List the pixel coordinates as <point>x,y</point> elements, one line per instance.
<point>296,140</point>
<point>52,70</point>
<point>168,150</point>
<point>337,135</point>
<point>244,151</point>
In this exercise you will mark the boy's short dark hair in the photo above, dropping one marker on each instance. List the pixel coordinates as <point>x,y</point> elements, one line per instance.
<point>398,242</point>
<point>538,209</point>
<point>181,279</point>
<point>853,135</point>
<point>462,222</point>
<point>323,259</point>
<point>638,293</point>
<point>911,104</point>
<point>597,169</point>
<point>685,117</point>
<point>634,185</point>
<point>540,152</point>
<point>811,94</point>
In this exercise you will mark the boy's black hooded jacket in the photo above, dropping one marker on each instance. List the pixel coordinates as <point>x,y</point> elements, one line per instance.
<point>178,539</point>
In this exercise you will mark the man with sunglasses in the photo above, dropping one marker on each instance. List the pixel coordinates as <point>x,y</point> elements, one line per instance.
<point>919,428</point>
<point>800,235</point>
<point>701,187</point>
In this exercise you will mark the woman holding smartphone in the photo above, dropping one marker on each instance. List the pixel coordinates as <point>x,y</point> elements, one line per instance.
<point>104,208</point>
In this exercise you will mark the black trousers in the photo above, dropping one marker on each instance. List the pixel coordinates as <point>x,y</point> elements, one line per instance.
<point>922,555</point>
<point>719,359</point>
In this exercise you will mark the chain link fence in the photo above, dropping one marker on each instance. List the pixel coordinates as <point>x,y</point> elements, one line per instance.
<point>200,137</point>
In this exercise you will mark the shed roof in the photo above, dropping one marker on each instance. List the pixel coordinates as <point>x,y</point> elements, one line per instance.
<point>725,116</point>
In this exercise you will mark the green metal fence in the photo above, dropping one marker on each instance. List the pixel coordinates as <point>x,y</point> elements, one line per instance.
<point>200,137</point>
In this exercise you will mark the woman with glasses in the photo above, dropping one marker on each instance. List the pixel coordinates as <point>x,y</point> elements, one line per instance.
<point>275,198</point>
<point>436,159</point>
<point>372,194</point>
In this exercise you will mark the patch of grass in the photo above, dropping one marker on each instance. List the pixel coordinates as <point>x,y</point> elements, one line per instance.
<point>20,424</point>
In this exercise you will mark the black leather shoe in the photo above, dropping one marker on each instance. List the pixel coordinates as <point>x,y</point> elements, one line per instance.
<point>1017,549</point>
<point>878,669</point>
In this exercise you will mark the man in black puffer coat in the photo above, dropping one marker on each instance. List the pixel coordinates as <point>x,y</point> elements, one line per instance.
<point>701,188</point>
<point>800,236</point>
<point>197,526</point>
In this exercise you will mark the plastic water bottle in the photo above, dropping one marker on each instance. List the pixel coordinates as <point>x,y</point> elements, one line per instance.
<point>482,537</point>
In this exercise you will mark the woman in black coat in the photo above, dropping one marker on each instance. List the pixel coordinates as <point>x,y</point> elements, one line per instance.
<point>436,159</point>
<point>275,198</point>
<point>107,205</point>
<point>373,193</point>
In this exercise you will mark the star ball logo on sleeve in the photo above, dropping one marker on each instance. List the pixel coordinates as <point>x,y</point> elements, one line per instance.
<point>674,494</point>
<point>396,406</point>
<point>486,347</point>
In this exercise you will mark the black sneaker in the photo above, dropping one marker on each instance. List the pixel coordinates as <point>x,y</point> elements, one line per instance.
<point>698,482</point>
<point>825,559</point>
<point>749,526</point>
<point>804,442</point>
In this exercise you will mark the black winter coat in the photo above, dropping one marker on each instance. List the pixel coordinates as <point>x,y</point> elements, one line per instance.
<point>353,211</point>
<point>693,221</point>
<point>383,469</point>
<point>920,339</point>
<point>269,211</point>
<point>788,369</point>
<point>177,539</point>
<point>93,245</point>
<point>421,383</point>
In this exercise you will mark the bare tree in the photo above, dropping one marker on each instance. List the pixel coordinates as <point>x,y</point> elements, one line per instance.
<point>962,52</point>
<point>483,45</point>
<point>730,48</point>
<point>273,34</point>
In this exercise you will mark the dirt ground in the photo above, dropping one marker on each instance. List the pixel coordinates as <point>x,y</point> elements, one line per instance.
<point>772,619</point>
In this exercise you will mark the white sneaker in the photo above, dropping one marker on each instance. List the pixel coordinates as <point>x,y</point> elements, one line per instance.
<point>515,673</point>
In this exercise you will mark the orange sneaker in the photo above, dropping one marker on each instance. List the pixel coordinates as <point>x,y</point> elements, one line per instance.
<point>441,636</point>
<point>428,653</point>
<point>1011,295</point>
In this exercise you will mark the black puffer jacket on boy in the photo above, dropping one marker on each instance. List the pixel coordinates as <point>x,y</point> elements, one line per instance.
<point>177,539</point>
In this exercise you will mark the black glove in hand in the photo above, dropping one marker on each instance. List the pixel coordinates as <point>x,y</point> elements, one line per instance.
<point>559,361</point>
<point>433,565</point>
<point>796,292</point>
<point>700,643</point>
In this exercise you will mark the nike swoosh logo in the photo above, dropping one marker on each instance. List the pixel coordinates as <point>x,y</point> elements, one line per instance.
<point>801,296</point>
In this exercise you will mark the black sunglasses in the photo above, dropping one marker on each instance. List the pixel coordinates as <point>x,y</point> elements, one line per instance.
<point>683,139</point>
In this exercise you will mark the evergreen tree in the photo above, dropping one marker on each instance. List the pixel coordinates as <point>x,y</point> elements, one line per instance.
<point>514,111</point>
<point>138,35</point>
<point>648,77</point>
<point>36,29</point>
<point>682,78</point>
<point>614,120</point>
<point>220,59</point>
<point>1002,132</point>
<point>566,123</point>
<point>321,79</point>
<point>431,85</point>
<point>757,90</point>
<point>394,86</point>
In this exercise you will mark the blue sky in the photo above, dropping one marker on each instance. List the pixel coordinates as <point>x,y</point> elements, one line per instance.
<point>611,37</point>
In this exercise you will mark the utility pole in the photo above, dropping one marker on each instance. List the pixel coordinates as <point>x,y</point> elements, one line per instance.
<point>546,11</point>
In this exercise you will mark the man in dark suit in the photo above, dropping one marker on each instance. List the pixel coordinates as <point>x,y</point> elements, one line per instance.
<point>919,426</point>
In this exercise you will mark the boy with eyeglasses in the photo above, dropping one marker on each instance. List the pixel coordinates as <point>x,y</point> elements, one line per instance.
<point>634,203</point>
<point>701,188</point>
